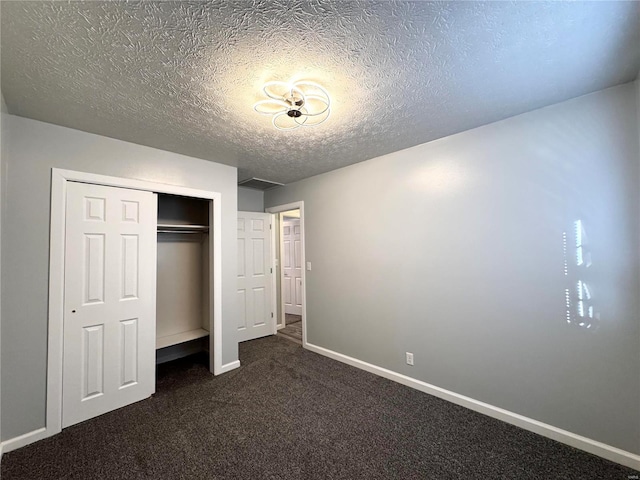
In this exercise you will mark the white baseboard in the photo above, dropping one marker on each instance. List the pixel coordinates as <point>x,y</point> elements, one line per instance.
<point>228,367</point>
<point>600,449</point>
<point>22,440</point>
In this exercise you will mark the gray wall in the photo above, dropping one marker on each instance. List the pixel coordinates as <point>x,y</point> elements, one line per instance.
<point>250,200</point>
<point>33,148</point>
<point>453,250</point>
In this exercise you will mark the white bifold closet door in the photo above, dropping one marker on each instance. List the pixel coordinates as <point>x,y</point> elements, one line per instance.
<point>109,300</point>
<point>255,263</point>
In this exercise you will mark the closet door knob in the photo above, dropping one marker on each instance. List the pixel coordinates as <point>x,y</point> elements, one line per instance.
<point>73,311</point>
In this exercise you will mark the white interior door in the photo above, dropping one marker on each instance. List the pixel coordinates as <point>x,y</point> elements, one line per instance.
<point>109,299</point>
<point>292,267</point>
<point>255,265</point>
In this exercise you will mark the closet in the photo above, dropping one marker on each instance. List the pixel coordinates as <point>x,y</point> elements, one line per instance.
<point>137,291</point>
<point>183,291</point>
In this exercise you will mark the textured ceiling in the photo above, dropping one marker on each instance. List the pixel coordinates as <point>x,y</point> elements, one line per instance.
<point>183,76</point>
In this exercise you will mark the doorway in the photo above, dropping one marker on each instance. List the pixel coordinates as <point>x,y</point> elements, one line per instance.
<point>291,274</point>
<point>291,267</point>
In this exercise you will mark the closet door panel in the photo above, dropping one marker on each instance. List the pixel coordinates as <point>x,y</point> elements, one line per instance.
<point>92,361</point>
<point>94,209</point>
<point>130,211</point>
<point>110,302</point>
<point>130,266</point>
<point>129,351</point>
<point>93,268</point>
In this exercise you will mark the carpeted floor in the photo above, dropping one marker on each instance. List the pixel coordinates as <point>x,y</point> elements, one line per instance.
<point>293,327</point>
<point>291,414</point>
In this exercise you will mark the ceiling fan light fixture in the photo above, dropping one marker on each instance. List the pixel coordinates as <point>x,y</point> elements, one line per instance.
<point>292,105</point>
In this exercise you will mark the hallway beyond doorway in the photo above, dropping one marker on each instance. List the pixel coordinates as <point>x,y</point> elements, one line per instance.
<point>293,328</point>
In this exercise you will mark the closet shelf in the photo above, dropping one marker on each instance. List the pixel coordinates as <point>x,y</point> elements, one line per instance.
<point>162,342</point>
<point>171,228</point>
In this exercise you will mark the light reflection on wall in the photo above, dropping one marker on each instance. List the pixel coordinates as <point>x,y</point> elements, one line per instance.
<point>440,176</point>
<point>578,294</point>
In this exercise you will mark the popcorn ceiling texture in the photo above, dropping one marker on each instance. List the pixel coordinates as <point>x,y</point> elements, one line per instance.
<point>183,76</point>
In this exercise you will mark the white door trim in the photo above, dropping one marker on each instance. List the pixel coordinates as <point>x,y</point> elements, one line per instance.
<point>280,301</point>
<point>59,179</point>
<point>283,208</point>
<point>275,271</point>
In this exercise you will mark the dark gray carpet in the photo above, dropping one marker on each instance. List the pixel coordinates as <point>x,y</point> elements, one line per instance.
<point>293,327</point>
<point>291,414</point>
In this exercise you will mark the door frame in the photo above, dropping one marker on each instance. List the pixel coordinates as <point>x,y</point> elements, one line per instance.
<point>279,209</point>
<point>281,273</point>
<point>59,179</point>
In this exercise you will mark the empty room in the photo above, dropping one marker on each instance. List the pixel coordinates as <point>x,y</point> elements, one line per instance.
<point>319,240</point>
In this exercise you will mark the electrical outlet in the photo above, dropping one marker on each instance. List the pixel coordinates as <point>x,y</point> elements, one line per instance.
<point>409,358</point>
<point>308,266</point>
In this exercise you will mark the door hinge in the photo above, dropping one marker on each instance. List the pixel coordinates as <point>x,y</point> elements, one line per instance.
<point>271,270</point>
<point>270,227</point>
<point>271,314</point>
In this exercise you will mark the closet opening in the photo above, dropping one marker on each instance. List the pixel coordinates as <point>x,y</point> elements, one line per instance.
<point>135,279</point>
<point>183,299</point>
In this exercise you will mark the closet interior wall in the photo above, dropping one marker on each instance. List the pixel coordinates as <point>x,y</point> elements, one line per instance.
<point>182,313</point>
